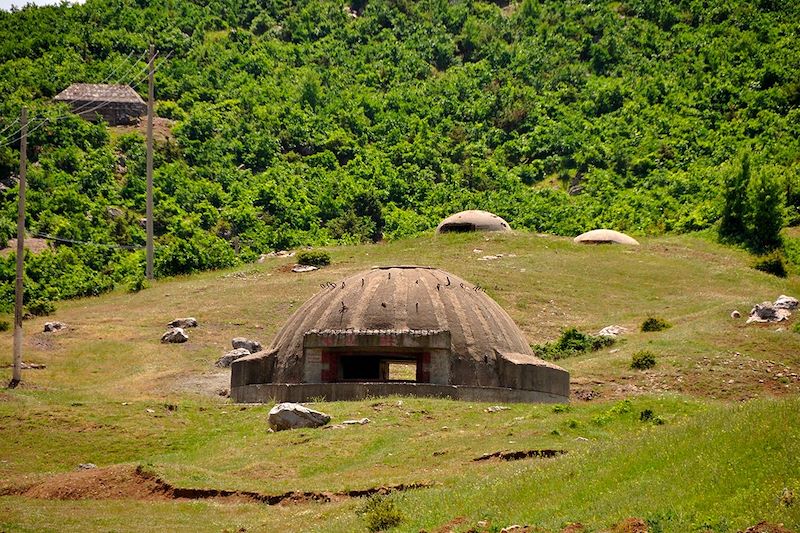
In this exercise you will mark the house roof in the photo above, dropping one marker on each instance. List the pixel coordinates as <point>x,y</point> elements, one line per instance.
<point>100,93</point>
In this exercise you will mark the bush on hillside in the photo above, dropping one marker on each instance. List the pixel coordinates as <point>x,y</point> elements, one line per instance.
<point>316,258</point>
<point>380,513</point>
<point>5,325</point>
<point>572,342</point>
<point>653,323</point>
<point>772,264</point>
<point>643,360</point>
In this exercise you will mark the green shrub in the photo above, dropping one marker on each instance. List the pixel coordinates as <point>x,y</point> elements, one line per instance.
<point>772,264</point>
<point>572,342</point>
<point>5,325</point>
<point>380,513</point>
<point>137,283</point>
<point>796,327</point>
<point>314,258</point>
<point>41,307</point>
<point>642,360</point>
<point>653,323</point>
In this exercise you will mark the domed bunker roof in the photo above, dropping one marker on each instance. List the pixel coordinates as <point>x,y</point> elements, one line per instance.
<point>605,236</point>
<point>473,220</point>
<point>399,330</point>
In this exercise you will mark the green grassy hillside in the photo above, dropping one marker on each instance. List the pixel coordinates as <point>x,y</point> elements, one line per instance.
<point>718,453</point>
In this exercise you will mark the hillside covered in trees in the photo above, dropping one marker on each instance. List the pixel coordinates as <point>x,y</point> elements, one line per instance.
<point>317,121</point>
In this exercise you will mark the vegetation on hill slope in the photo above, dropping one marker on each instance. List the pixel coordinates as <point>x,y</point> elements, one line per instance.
<point>315,121</point>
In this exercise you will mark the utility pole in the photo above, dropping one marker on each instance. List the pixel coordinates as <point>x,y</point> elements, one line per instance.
<point>18,294</point>
<point>149,227</point>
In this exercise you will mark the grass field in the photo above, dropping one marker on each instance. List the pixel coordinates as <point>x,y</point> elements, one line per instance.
<point>718,454</point>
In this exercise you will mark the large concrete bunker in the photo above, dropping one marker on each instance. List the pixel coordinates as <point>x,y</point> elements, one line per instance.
<point>605,236</point>
<point>472,220</point>
<point>399,330</point>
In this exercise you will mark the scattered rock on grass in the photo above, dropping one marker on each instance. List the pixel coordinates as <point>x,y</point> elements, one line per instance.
<point>786,302</point>
<point>188,322</point>
<point>87,466</point>
<point>612,331</point>
<point>175,336</point>
<point>54,326</point>
<point>293,415</point>
<point>249,345</point>
<point>496,408</point>
<point>360,421</point>
<point>767,312</point>
<point>226,360</point>
<point>304,268</point>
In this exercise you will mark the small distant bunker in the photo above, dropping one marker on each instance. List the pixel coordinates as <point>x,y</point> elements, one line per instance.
<point>116,104</point>
<point>473,220</point>
<point>605,236</point>
<point>403,330</point>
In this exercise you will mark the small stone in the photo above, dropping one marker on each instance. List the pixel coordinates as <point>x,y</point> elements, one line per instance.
<point>736,314</point>
<point>496,408</point>
<point>175,335</point>
<point>360,421</point>
<point>151,411</point>
<point>87,466</point>
<point>188,322</point>
<point>50,327</point>
<point>582,439</point>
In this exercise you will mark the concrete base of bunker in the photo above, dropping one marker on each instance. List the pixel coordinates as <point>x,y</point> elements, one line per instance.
<point>334,392</point>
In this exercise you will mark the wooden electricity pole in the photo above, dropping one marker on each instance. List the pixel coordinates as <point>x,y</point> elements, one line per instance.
<point>18,293</point>
<point>149,227</point>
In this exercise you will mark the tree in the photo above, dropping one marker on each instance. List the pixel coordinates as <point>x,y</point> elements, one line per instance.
<point>732,226</point>
<point>765,210</point>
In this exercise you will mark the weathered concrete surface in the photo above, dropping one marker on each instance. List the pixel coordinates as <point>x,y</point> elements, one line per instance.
<point>332,392</point>
<point>605,236</point>
<point>250,369</point>
<point>472,220</point>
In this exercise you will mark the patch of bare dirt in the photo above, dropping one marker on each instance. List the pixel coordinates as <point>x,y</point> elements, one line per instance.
<point>125,482</point>
<point>630,525</point>
<point>162,128</point>
<point>524,454</point>
<point>766,527</point>
<point>577,527</point>
<point>33,244</point>
<point>450,526</point>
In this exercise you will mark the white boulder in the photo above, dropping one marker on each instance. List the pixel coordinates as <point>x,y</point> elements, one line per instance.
<point>293,415</point>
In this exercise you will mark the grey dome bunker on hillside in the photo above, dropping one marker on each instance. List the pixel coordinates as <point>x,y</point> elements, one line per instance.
<point>472,220</point>
<point>402,330</point>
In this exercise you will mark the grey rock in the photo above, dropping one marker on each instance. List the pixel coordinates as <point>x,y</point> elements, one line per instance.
<point>786,302</point>
<point>226,360</point>
<point>249,345</point>
<point>304,268</point>
<point>87,466</point>
<point>293,415</point>
<point>496,408</point>
<point>174,335</point>
<point>612,331</point>
<point>54,326</point>
<point>188,322</point>
<point>767,312</point>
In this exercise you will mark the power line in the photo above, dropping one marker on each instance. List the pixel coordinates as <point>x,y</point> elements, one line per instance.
<point>47,237</point>
<point>80,109</point>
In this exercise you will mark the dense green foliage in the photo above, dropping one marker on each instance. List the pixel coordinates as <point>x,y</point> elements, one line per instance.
<point>312,122</point>
<point>315,258</point>
<point>572,342</point>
